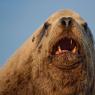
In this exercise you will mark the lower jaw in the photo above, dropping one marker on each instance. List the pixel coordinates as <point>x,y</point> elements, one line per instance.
<point>61,62</point>
<point>64,67</point>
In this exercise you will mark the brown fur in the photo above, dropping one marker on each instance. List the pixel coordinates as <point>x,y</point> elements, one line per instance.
<point>32,71</point>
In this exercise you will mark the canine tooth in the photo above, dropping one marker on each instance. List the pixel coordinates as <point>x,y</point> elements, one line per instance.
<point>59,49</point>
<point>71,41</point>
<point>74,50</point>
<point>57,52</point>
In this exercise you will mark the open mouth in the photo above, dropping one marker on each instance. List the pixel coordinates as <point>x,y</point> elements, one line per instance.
<point>64,45</point>
<point>67,53</point>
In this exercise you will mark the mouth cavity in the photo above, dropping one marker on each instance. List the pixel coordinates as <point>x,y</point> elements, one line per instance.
<point>64,45</point>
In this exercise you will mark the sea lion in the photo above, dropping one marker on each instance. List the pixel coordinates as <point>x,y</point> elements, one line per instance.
<point>58,59</point>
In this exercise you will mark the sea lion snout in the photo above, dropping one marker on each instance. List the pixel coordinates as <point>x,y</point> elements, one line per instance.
<point>66,21</point>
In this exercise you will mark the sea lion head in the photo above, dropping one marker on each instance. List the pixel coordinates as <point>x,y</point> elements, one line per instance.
<point>66,50</point>
<point>59,59</point>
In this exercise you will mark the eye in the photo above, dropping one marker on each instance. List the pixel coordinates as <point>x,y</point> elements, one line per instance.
<point>87,30</point>
<point>46,25</point>
<point>85,26</point>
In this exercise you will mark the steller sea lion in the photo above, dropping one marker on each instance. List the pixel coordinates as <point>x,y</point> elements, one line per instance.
<point>58,59</point>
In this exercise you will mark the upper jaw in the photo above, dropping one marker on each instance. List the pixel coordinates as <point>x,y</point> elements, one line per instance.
<point>64,44</point>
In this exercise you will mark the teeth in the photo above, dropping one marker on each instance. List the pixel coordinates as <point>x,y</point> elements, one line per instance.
<point>74,50</point>
<point>57,52</point>
<point>71,42</point>
<point>59,49</point>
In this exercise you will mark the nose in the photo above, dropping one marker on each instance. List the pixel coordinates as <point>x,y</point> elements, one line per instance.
<point>66,21</point>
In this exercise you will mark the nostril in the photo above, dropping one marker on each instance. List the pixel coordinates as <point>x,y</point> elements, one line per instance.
<point>63,22</point>
<point>66,21</point>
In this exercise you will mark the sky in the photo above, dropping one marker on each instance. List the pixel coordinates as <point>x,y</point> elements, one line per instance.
<point>20,18</point>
